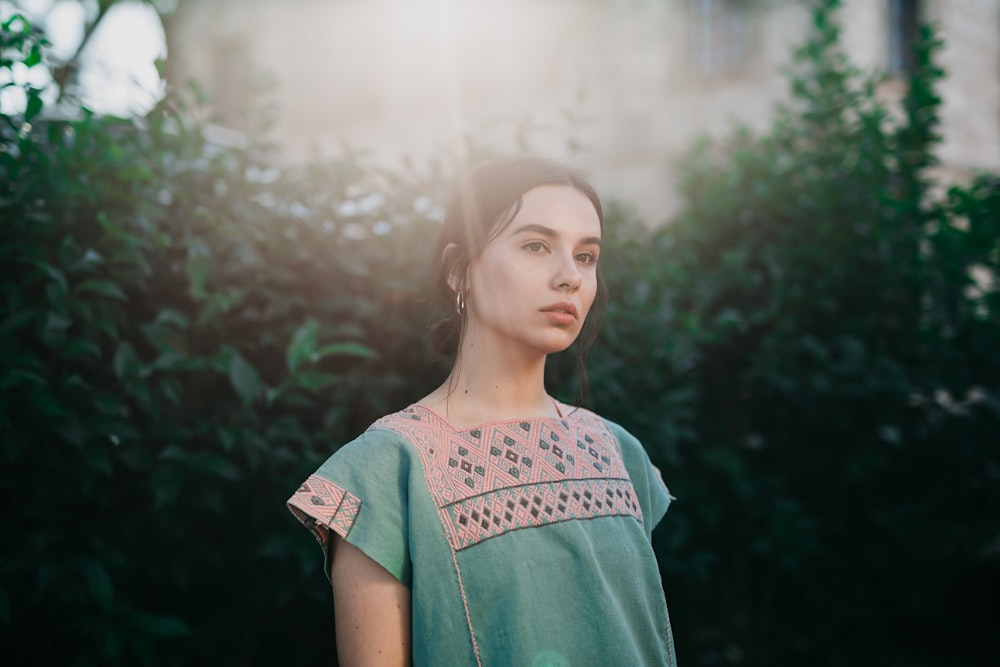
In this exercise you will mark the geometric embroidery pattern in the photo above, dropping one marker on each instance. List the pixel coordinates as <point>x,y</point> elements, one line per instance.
<point>323,506</point>
<point>481,517</point>
<point>510,475</point>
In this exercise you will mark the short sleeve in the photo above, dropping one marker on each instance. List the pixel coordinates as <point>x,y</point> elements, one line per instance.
<point>654,497</point>
<point>362,494</point>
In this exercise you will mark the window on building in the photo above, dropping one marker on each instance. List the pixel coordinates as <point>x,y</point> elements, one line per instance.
<point>719,35</point>
<point>904,31</point>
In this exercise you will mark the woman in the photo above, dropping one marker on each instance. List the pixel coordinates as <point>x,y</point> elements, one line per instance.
<point>488,523</point>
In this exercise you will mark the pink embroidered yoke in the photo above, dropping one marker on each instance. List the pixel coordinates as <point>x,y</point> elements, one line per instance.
<point>524,542</point>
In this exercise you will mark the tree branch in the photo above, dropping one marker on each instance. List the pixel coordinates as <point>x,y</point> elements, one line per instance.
<point>65,73</point>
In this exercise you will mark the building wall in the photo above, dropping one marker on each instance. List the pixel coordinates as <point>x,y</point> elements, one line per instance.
<point>627,79</point>
<point>970,94</point>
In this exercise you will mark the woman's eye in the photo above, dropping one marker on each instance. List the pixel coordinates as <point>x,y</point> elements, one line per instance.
<point>587,258</point>
<point>535,246</point>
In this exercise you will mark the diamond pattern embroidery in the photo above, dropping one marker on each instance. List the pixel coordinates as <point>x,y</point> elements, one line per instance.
<point>484,516</point>
<point>506,476</point>
<point>323,506</point>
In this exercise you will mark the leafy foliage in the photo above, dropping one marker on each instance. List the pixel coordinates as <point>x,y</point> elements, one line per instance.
<point>185,331</point>
<point>809,352</point>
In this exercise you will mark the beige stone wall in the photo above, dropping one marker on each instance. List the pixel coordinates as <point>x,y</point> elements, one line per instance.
<point>970,112</point>
<point>409,77</point>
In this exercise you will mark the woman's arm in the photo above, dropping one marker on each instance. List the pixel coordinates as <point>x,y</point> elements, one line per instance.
<point>372,610</point>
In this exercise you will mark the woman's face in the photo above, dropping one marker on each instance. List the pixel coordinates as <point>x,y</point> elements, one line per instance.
<point>533,285</point>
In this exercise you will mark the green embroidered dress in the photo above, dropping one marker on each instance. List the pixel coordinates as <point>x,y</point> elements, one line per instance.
<point>523,542</point>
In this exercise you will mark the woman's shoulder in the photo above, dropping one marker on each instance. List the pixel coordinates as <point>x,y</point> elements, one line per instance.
<point>399,432</point>
<point>414,415</point>
<point>387,434</point>
<point>588,419</point>
<point>381,455</point>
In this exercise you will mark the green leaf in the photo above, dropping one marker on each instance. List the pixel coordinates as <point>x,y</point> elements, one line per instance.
<point>302,345</point>
<point>126,363</point>
<point>76,383</point>
<point>16,320</point>
<point>105,287</point>
<point>56,298</point>
<point>172,390</point>
<point>34,105</point>
<point>17,376</point>
<point>218,466</point>
<point>315,381</point>
<point>171,360</point>
<point>73,432</point>
<point>78,349</point>
<point>287,429</point>
<point>198,265</point>
<point>171,317</point>
<point>99,584</point>
<point>34,56</point>
<point>24,27</point>
<point>166,484</point>
<point>55,274</point>
<point>47,402</point>
<point>97,455</point>
<point>136,458</point>
<point>108,404</point>
<point>289,398</point>
<point>346,349</point>
<point>165,627</point>
<point>166,339</point>
<point>173,453</point>
<point>271,394</point>
<point>227,436</point>
<point>244,379</point>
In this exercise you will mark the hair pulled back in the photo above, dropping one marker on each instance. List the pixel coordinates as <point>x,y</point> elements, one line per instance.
<point>485,200</point>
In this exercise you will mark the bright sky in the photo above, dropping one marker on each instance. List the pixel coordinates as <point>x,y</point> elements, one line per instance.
<point>119,73</point>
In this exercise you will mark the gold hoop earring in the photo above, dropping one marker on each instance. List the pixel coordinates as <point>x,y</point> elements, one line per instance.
<point>460,303</point>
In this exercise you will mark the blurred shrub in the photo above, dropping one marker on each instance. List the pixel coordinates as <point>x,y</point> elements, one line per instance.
<point>812,353</point>
<point>185,332</point>
<point>809,352</point>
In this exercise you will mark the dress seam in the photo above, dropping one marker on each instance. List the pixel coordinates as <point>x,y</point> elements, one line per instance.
<point>465,605</point>
<point>527,484</point>
<point>550,523</point>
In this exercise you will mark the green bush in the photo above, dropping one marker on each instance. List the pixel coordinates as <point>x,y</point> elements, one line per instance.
<point>809,352</point>
<point>185,332</point>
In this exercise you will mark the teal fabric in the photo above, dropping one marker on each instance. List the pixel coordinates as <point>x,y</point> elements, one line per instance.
<point>549,583</point>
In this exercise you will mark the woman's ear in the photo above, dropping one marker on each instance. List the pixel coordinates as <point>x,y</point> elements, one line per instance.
<point>450,260</point>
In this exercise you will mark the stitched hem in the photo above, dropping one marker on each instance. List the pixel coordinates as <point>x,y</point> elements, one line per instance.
<point>323,506</point>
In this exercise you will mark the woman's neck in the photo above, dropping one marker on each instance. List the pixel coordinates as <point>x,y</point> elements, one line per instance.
<point>484,387</point>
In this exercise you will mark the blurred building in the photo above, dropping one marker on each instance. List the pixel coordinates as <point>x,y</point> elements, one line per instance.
<point>634,82</point>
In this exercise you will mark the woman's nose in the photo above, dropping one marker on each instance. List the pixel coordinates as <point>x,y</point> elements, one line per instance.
<point>568,274</point>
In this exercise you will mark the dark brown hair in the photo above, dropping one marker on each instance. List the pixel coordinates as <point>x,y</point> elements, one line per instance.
<point>484,202</point>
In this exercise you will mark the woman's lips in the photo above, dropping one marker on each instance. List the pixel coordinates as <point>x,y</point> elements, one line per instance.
<point>561,313</point>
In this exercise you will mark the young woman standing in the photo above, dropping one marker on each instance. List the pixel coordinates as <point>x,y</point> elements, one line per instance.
<point>488,523</point>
